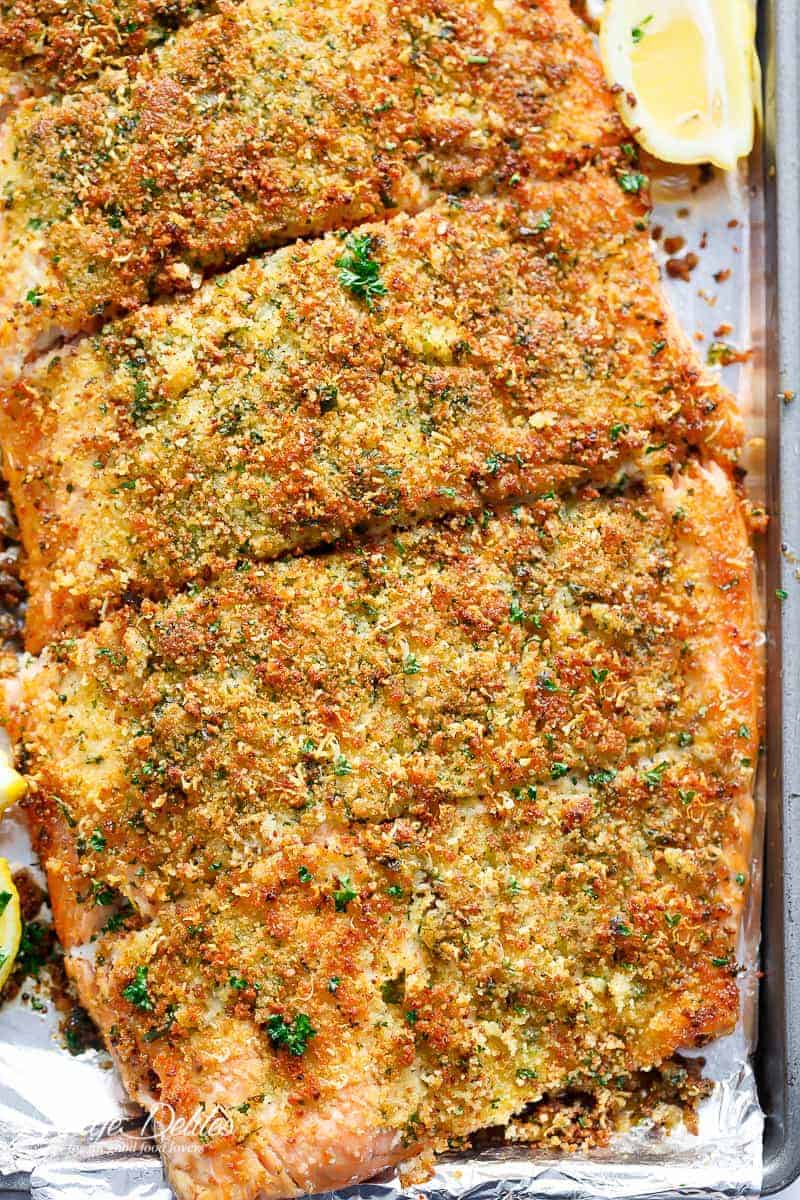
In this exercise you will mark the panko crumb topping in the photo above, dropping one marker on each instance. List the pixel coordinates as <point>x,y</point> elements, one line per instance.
<point>391,746</point>
<point>461,811</point>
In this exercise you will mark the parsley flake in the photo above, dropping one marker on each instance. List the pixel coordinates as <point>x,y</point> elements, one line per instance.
<point>638,31</point>
<point>344,894</point>
<point>516,613</point>
<point>632,182</point>
<point>293,1035</point>
<point>358,270</point>
<point>136,992</point>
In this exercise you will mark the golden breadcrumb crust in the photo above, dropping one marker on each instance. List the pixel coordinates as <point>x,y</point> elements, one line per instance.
<point>472,801</point>
<point>520,346</point>
<point>59,45</point>
<point>271,120</point>
<point>358,852</point>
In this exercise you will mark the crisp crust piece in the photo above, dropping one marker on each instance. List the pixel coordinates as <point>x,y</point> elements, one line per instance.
<point>497,773</point>
<point>520,346</point>
<point>58,45</point>
<point>275,119</point>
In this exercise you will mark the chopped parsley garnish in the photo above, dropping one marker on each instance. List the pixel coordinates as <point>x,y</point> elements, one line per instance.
<point>237,982</point>
<point>33,948</point>
<point>638,31</point>
<point>527,1073</point>
<point>672,919</point>
<point>333,984</point>
<point>344,894</point>
<point>34,297</point>
<point>653,777</point>
<point>304,875</point>
<point>720,962</point>
<point>140,408</point>
<point>685,739</point>
<point>358,270</point>
<point>115,921</point>
<point>293,1035</point>
<point>558,770</point>
<point>657,348</point>
<point>494,462</point>
<point>720,354</point>
<point>601,778</point>
<point>136,992</point>
<point>341,766</point>
<point>781,594</point>
<point>395,891</point>
<point>599,674</point>
<point>516,613</point>
<point>97,841</point>
<point>411,665</point>
<point>632,182</point>
<point>103,894</point>
<point>5,900</point>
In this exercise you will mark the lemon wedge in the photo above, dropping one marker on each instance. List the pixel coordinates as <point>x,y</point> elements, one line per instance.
<point>10,923</point>
<point>687,73</point>
<point>12,786</point>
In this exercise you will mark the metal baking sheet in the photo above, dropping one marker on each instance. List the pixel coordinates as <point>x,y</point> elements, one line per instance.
<point>778,1057</point>
<point>59,1149</point>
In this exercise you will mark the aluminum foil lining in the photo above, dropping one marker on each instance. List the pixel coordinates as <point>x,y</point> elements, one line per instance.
<point>67,1131</point>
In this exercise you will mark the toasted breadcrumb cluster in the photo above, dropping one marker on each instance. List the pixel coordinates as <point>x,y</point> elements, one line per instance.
<point>390,748</point>
<point>52,44</point>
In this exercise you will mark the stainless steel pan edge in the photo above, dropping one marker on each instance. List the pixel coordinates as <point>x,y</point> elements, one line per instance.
<point>778,1059</point>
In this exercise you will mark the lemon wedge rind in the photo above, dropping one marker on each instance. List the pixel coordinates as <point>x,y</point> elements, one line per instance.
<point>685,72</point>
<point>10,922</point>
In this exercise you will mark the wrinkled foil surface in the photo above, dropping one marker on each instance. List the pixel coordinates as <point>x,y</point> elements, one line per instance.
<point>67,1130</point>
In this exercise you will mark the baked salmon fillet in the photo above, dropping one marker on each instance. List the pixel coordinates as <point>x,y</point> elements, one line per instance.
<point>270,120</point>
<point>357,853</point>
<point>508,348</point>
